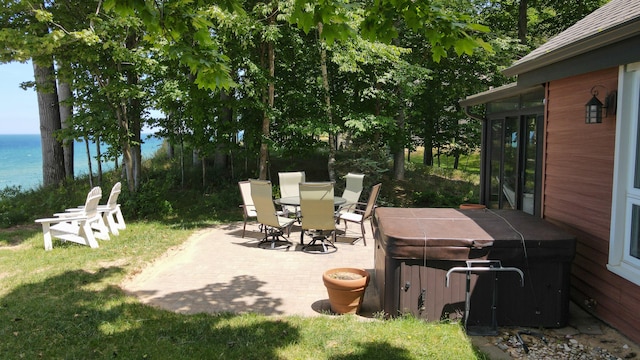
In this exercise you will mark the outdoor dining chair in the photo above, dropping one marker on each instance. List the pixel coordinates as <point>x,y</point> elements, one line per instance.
<point>289,182</point>
<point>362,213</point>
<point>352,192</point>
<point>317,215</point>
<point>274,226</point>
<point>248,208</point>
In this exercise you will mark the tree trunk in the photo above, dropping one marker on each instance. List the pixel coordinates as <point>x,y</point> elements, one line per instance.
<point>327,102</point>
<point>127,158</point>
<point>226,118</point>
<point>130,123</point>
<point>398,164</point>
<point>89,166</point>
<point>266,120</point>
<point>99,160</point>
<point>181,163</point>
<point>49,112</point>
<point>66,110</point>
<point>137,153</point>
<point>195,158</point>
<point>170,150</point>
<point>135,128</point>
<point>398,155</point>
<point>522,21</point>
<point>427,156</point>
<point>204,173</point>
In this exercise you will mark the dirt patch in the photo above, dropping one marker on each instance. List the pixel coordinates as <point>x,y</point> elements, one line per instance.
<point>11,238</point>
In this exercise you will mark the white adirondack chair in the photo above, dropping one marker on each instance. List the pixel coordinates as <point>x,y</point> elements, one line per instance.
<point>111,213</point>
<point>82,227</point>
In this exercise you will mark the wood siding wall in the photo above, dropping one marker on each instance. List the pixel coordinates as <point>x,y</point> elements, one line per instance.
<point>577,188</point>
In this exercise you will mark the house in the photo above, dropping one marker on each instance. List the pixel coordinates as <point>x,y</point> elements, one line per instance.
<point>545,154</point>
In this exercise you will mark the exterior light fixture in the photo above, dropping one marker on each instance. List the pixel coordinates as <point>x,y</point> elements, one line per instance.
<point>593,113</point>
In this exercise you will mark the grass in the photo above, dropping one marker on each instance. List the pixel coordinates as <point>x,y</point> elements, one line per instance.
<point>468,164</point>
<point>67,303</point>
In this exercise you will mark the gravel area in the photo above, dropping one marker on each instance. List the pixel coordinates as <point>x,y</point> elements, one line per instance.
<point>584,337</point>
<point>550,344</point>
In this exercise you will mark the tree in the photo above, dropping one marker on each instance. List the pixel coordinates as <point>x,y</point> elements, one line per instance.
<point>49,111</point>
<point>24,35</point>
<point>536,20</point>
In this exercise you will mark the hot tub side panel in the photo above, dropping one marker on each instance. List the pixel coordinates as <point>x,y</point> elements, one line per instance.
<point>411,278</point>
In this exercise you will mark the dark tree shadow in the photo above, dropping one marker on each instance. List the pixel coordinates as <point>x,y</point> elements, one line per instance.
<point>66,318</point>
<point>374,350</point>
<point>224,297</point>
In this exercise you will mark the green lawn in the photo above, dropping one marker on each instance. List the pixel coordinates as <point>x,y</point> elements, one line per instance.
<point>67,303</point>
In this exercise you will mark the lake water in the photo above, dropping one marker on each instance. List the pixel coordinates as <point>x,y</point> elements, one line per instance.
<point>21,159</point>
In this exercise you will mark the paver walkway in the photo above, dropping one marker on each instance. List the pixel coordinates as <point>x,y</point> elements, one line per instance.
<point>217,270</point>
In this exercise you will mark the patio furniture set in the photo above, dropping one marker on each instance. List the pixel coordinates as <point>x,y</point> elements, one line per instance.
<point>312,205</point>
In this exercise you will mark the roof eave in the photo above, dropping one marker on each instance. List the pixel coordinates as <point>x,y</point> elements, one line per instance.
<point>626,30</point>
<point>498,93</point>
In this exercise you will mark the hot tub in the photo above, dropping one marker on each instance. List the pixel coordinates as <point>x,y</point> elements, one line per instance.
<point>415,248</point>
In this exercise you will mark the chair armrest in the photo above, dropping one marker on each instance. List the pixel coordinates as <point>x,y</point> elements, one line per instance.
<point>66,215</point>
<point>61,219</point>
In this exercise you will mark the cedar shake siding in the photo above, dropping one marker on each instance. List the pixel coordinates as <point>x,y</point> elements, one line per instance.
<point>577,188</point>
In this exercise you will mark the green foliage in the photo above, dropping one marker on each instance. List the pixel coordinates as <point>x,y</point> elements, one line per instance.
<point>371,162</point>
<point>150,201</point>
<point>18,206</point>
<point>13,210</point>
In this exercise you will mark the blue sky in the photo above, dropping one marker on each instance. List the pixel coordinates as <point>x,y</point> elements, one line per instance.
<point>19,108</point>
<point>19,114</point>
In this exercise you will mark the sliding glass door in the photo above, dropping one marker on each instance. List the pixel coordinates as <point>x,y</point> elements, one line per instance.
<point>513,169</point>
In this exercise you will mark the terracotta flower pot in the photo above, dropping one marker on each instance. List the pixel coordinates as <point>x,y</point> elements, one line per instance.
<point>345,287</point>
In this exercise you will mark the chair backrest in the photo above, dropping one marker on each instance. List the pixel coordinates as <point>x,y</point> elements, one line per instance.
<point>373,197</point>
<point>316,206</point>
<point>91,204</point>
<point>353,187</point>
<point>245,191</point>
<point>112,202</point>
<point>289,182</point>
<point>262,196</point>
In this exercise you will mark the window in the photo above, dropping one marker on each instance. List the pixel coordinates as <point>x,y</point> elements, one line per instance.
<point>624,246</point>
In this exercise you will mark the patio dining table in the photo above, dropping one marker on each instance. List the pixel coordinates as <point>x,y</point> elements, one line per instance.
<point>295,201</point>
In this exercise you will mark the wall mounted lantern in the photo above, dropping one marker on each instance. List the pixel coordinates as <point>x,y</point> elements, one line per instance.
<point>593,114</point>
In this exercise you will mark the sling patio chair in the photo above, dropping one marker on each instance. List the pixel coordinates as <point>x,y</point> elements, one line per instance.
<point>352,192</point>
<point>82,226</point>
<point>273,225</point>
<point>317,214</point>
<point>362,213</point>
<point>248,208</point>
<point>289,182</point>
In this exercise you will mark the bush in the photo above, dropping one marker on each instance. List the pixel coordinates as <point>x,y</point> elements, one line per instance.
<point>150,201</point>
<point>12,211</point>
